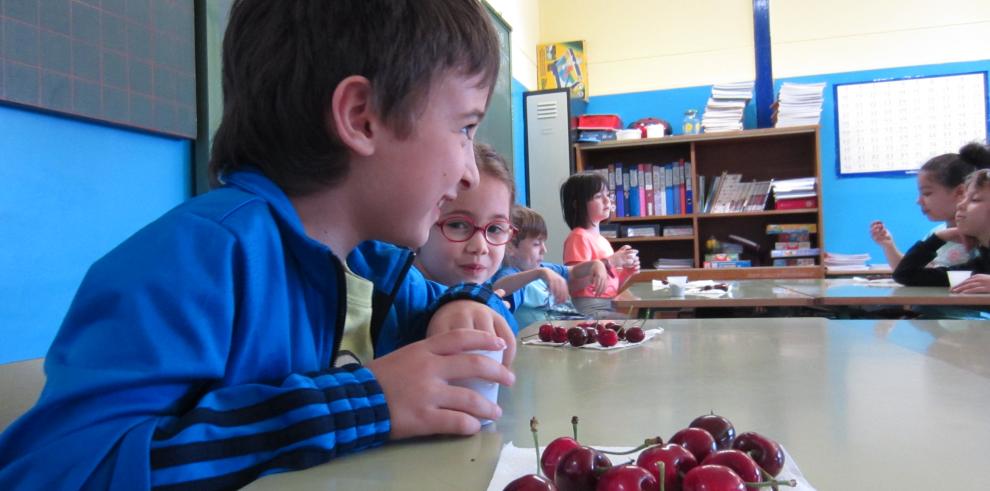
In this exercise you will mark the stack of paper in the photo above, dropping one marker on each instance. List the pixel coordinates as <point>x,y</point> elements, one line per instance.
<point>802,187</point>
<point>846,262</point>
<point>724,111</point>
<point>799,104</point>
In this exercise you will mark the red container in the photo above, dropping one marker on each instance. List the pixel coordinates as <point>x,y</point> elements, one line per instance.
<point>599,122</point>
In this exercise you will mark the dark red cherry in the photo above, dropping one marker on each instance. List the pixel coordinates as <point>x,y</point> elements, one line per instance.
<point>576,336</point>
<point>590,335</point>
<point>608,338</point>
<point>627,478</point>
<point>635,335</point>
<point>719,427</point>
<point>546,333</point>
<point>559,334</point>
<point>677,461</point>
<point>554,451</point>
<point>530,482</point>
<point>712,478</point>
<point>578,470</point>
<point>766,452</point>
<point>696,440</point>
<point>740,463</point>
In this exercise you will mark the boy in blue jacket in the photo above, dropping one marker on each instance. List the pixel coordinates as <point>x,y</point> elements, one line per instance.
<point>206,350</point>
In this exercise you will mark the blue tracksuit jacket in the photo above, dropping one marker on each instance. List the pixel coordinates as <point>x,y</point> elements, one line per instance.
<point>198,353</point>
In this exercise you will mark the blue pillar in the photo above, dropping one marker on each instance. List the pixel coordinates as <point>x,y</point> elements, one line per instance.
<point>763,85</point>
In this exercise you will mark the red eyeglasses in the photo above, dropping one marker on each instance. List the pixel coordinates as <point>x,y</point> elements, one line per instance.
<point>461,229</point>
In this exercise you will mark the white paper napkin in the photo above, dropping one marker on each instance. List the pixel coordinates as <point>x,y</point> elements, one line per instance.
<point>515,462</point>
<point>622,344</point>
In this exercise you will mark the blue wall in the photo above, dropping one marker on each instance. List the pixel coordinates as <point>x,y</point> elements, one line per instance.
<point>72,191</point>
<point>850,203</point>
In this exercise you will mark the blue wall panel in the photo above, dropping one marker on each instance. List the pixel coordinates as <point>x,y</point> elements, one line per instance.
<point>850,202</point>
<point>72,191</point>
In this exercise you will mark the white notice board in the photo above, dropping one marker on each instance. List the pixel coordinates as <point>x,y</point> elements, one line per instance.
<point>897,125</point>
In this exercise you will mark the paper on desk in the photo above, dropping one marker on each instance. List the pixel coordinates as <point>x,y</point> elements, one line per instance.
<point>648,334</point>
<point>660,285</point>
<point>881,282</point>
<point>515,462</point>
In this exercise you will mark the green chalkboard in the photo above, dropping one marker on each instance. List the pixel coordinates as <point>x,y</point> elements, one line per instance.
<point>496,129</point>
<point>211,21</point>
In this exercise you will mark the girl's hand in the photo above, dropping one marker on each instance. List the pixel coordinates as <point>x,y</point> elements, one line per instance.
<point>880,234</point>
<point>625,257</point>
<point>978,283</point>
<point>557,285</point>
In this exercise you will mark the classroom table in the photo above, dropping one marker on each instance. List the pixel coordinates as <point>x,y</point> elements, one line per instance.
<point>859,404</point>
<point>742,293</point>
<point>849,292</point>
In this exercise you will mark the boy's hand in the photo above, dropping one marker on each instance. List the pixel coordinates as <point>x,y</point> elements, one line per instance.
<point>468,314</point>
<point>978,283</point>
<point>416,382</point>
<point>557,284</point>
<point>598,277</point>
<point>880,234</point>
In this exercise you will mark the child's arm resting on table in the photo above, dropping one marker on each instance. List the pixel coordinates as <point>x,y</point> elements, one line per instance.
<point>912,270</point>
<point>593,273</point>
<point>557,284</point>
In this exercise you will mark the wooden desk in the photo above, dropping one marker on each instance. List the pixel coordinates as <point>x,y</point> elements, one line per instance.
<point>885,272</point>
<point>858,404</point>
<point>848,292</point>
<point>744,293</point>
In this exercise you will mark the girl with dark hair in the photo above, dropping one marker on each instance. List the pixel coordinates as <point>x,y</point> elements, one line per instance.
<point>940,188</point>
<point>585,203</point>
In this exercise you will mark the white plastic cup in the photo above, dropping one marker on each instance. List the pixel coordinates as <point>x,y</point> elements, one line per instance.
<point>957,277</point>
<point>677,280</point>
<point>487,389</point>
<point>677,289</point>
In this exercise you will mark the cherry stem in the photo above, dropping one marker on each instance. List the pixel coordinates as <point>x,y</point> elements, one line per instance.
<point>628,315</point>
<point>536,442</point>
<point>649,442</point>
<point>574,423</point>
<point>766,484</point>
<point>662,482</point>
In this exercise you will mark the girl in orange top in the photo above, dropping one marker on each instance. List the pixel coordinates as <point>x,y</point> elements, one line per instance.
<point>585,202</point>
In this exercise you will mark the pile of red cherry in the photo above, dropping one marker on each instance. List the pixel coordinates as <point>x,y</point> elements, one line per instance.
<point>706,456</point>
<point>604,333</point>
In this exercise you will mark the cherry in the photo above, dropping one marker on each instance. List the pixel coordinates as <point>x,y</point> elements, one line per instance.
<point>608,338</point>
<point>576,336</point>
<point>590,335</point>
<point>559,334</point>
<point>712,478</point>
<point>627,478</point>
<point>719,427</point>
<point>696,440</point>
<point>740,463</point>
<point>553,453</point>
<point>578,469</point>
<point>530,482</point>
<point>546,333</point>
<point>613,326</point>
<point>635,335</point>
<point>677,461</point>
<point>766,452</point>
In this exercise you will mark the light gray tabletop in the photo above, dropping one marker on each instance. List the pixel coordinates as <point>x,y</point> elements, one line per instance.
<point>742,293</point>
<point>859,404</point>
<point>848,291</point>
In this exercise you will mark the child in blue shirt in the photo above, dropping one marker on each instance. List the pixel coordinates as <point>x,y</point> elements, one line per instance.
<point>544,287</point>
<point>203,352</point>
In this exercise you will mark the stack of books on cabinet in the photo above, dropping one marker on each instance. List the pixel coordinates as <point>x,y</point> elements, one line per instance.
<point>798,104</point>
<point>792,244</point>
<point>793,194</point>
<point>724,111</point>
<point>732,176</point>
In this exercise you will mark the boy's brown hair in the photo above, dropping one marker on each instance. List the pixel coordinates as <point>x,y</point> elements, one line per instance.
<point>490,163</point>
<point>283,59</point>
<point>528,224</point>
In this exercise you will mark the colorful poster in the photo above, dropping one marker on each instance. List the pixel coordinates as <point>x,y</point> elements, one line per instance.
<point>561,65</point>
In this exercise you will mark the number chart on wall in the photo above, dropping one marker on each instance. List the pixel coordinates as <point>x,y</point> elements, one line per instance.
<point>897,125</point>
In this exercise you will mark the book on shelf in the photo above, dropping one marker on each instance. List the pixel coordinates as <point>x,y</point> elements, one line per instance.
<point>647,170</point>
<point>728,187</point>
<point>722,256</point>
<point>678,230</point>
<point>658,192</point>
<point>609,230</point>
<point>688,189</point>
<point>791,245</point>
<point>785,237</point>
<point>641,179</point>
<point>758,194</point>
<point>673,263</point>
<point>610,180</point>
<point>632,231</point>
<point>742,263</point>
<point>794,261</point>
<point>796,203</point>
<point>786,228</point>
<point>811,251</point>
<point>620,194</point>
<point>633,210</point>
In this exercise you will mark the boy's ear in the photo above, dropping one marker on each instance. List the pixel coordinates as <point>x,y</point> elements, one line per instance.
<point>959,192</point>
<point>352,115</point>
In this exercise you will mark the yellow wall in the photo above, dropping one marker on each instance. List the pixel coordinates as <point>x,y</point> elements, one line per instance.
<point>644,45</point>
<point>523,16</point>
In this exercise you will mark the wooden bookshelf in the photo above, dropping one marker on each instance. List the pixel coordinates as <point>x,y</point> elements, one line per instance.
<point>763,154</point>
